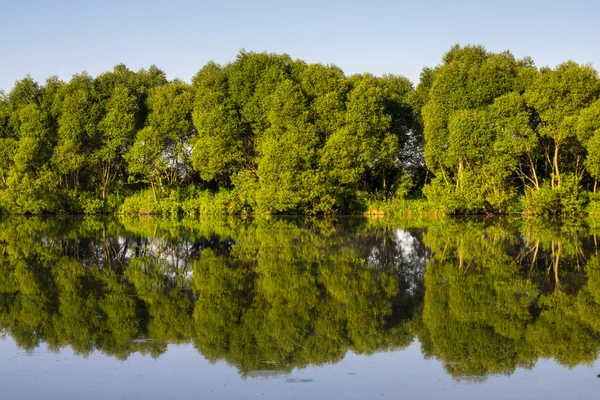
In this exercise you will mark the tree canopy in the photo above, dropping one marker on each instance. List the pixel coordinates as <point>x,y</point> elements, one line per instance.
<point>482,132</point>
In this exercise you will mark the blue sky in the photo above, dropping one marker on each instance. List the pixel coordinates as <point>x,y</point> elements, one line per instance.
<point>45,38</point>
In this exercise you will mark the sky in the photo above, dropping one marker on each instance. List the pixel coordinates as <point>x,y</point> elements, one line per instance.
<point>64,37</point>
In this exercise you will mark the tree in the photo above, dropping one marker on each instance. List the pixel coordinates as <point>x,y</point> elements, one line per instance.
<point>588,133</point>
<point>161,151</point>
<point>558,96</point>
<point>223,142</point>
<point>476,126</point>
<point>117,129</point>
<point>30,184</point>
<point>79,114</point>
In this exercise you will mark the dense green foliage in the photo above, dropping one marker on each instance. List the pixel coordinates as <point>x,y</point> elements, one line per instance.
<point>263,134</point>
<point>502,135</point>
<point>274,294</point>
<point>266,134</point>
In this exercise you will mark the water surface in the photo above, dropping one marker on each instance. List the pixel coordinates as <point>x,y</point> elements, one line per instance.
<point>298,308</point>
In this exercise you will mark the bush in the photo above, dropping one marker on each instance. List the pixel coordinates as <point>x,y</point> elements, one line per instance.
<point>573,199</point>
<point>88,203</point>
<point>404,207</point>
<point>187,201</point>
<point>543,201</point>
<point>444,197</point>
<point>569,199</point>
<point>593,207</point>
<point>138,203</point>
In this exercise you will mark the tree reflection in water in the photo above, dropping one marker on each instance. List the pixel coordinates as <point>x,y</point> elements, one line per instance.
<point>269,295</point>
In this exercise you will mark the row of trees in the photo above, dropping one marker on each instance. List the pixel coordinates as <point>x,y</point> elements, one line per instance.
<point>482,132</point>
<point>285,136</point>
<point>502,135</point>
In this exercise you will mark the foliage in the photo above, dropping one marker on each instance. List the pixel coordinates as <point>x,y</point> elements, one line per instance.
<point>496,128</point>
<point>482,133</point>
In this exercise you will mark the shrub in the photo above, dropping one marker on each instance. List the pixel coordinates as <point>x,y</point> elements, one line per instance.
<point>593,207</point>
<point>187,201</point>
<point>138,203</point>
<point>88,203</point>
<point>543,201</point>
<point>572,198</point>
<point>568,199</point>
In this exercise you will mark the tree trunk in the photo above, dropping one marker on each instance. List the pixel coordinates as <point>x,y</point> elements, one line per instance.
<point>153,191</point>
<point>535,178</point>
<point>460,174</point>
<point>105,180</point>
<point>76,178</point>
<point>556,170</point>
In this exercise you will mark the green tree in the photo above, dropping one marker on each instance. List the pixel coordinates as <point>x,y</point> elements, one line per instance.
<point>476,127</point>
<point>160,154</point>
<point>117,129</point>
<point>78,117</point>
<point>588,133</point>
<point>558,96</point>
<point>30,184</point>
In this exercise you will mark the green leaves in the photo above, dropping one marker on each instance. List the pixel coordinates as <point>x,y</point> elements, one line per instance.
<point>220,146</point>
<point>161,150</point>
<point>480,133</point>
<point>307,135</point>
<point>558,96</point>
<point>476,127</point>
<point>507,125</point>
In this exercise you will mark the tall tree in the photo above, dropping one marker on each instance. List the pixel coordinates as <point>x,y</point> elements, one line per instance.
<point>476,129</point>
<point>79,114</point>
<point>558,96</point>
<point>161,151</point>
<point>117,129</point>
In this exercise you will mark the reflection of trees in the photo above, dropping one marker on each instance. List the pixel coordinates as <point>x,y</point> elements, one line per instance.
<point>274,294</point>
<point>90,284</point>
<point>500,296</point>
<point>270,294</point>
<point>289,296</point>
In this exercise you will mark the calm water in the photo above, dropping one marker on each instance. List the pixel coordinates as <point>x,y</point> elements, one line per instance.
<point>128,308</point>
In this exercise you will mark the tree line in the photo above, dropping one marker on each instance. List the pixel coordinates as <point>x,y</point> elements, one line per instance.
<point>482,132</point>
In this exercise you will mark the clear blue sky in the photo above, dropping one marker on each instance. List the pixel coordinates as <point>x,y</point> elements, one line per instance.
<point>63,37</point>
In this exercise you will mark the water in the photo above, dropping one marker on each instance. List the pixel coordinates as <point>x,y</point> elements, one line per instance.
<point>111,308</point>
